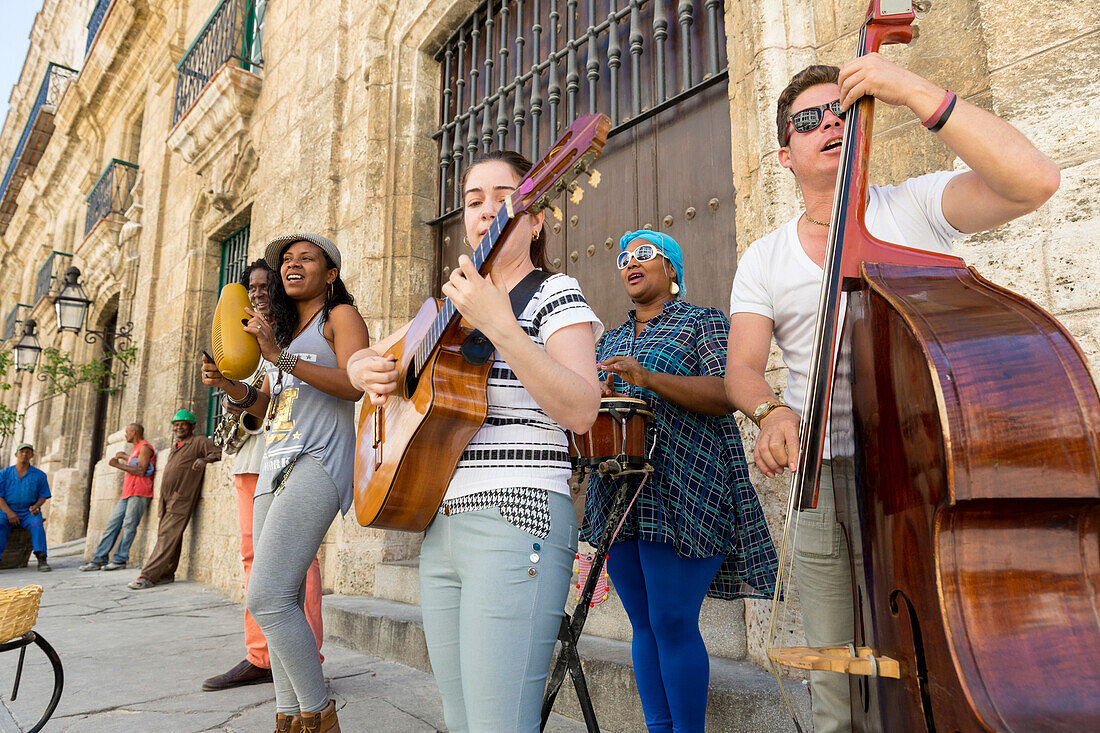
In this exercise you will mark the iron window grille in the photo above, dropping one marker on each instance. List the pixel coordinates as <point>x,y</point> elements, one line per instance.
<point>233,263</point>
<point>518,72</point>
<point>232,33</point>
<point>36,134</point>
<point>111,193</point>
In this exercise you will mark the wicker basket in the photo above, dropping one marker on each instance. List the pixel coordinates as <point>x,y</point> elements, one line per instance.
<point>18,611</point>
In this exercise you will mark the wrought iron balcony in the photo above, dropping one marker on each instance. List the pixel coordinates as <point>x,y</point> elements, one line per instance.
<point>15,315</point>
<point>231,35</point>
<point>111,193</point>
<point>99,12</point>
<point>50,275</point>
<point>36,134</point>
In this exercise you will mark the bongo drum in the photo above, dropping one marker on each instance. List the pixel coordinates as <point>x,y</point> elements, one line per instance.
<point>619,433</point>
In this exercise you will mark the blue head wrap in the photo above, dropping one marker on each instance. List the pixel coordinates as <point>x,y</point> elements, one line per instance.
<point>666,244</point>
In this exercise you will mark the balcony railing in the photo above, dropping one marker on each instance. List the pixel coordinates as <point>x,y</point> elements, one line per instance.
<point>232,34</point>
<point>36,133</point>
<point>17,313</point>
<point>111,193</point>
<point>98,14</point>
<point>50,275</point>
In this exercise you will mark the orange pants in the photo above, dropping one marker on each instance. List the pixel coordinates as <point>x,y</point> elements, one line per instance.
<point>254,639</point>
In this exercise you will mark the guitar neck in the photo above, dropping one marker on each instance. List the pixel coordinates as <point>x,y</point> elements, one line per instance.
<point>448,315</point>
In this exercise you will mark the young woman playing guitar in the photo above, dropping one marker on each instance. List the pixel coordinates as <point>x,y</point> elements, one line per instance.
<point>497,559</point>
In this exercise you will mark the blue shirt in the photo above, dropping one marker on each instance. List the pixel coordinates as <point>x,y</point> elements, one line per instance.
<point>20,493</point>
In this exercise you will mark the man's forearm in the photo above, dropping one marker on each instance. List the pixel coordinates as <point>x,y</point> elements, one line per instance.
<point>746,388</point>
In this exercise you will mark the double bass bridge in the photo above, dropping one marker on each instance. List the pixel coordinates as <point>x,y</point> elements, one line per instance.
<point>849,659</point>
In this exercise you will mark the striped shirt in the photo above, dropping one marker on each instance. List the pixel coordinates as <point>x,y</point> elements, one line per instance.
<point>520,446</point>
<point>700,498</point>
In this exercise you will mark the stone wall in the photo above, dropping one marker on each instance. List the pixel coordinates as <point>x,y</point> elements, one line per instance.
<point>333,135</point>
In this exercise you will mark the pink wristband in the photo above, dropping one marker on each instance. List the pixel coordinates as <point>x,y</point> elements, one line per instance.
<point>948,102</point>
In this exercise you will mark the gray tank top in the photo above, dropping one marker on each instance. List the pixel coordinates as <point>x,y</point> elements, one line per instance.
<point>308,421</point>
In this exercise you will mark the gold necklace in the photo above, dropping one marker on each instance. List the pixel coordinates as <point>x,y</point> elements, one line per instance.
<point>813,220</point>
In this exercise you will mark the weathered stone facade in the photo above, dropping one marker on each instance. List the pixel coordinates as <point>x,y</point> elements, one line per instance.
<point>333,134</point>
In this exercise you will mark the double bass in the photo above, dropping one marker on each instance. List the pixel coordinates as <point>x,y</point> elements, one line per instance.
<point>965,434</point>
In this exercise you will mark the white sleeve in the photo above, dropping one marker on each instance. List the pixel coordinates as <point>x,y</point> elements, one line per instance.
<point>917,206</point>
<point>561,303</point>
<point>750,292</point>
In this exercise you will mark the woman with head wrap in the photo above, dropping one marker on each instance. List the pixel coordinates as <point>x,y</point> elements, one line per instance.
<point>697,528</point>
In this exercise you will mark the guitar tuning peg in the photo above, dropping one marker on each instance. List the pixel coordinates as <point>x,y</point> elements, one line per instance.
<point>594,178</point>
<point>556,212</point>
<point>577,194</point>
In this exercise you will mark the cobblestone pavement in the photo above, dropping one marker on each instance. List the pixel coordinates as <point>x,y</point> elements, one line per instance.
<point>134,661</point>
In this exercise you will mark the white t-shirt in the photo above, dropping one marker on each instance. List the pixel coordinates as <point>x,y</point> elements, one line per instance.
<point>778,280</point>
<point>519,445</point>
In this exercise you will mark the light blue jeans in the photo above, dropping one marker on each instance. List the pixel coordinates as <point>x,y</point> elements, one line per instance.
<point>126,517</point>
<point>493,597</point>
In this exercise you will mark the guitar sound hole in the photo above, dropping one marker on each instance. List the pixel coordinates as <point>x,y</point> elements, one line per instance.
<point>411,382</point>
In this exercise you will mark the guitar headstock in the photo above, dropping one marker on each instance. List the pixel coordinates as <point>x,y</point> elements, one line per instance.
<point>570,157</point>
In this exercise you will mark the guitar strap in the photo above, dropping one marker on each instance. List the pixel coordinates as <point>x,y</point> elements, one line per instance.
<point>477,348</point>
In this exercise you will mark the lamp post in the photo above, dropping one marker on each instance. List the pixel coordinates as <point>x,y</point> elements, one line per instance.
<point>27,350</point>
<point>71,304</point>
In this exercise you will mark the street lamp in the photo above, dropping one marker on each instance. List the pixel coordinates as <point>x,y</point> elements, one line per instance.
<point>27,350</point>
<point>71,304</point>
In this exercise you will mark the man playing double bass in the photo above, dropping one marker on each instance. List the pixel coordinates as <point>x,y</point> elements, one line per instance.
<point>775,291</point>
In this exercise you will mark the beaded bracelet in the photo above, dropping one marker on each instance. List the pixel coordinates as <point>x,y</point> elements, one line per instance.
<point>938,118</point>
<point>286,361</point>
<point>249,399</point>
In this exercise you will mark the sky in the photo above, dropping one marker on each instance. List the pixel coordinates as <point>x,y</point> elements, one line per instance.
<point>15,28</point>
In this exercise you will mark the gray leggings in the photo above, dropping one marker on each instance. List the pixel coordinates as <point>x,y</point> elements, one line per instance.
<point>287,530</point>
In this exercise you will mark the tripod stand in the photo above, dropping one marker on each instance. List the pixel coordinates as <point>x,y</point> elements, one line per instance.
<point>569,659</point>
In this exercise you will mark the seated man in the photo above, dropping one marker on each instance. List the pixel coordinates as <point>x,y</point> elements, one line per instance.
<point>23,491</point>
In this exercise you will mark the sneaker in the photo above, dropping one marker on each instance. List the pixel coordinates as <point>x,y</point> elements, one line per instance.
<point>93,565</point>
<point>140,584</point>
<point>114,566</point>
<point>245,673</point>
<point>43,566</point>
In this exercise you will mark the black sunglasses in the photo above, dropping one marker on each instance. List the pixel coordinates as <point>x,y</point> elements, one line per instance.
<point>810,118</point>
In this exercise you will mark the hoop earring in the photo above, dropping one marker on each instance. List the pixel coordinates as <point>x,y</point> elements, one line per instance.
<point>466,241</point>
<point>535,235</point>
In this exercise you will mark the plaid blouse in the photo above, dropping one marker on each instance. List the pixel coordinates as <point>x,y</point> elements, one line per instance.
<point>699,498</point>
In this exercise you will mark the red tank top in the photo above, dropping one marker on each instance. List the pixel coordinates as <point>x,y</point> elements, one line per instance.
<point>140,485</point>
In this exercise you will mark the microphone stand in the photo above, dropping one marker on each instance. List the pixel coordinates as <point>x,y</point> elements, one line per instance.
<point>569,659</point>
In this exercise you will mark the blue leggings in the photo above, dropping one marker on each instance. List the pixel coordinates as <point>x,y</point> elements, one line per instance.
<point>662,594</point>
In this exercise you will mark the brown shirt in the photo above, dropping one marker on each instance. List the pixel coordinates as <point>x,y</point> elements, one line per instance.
<point>181,484</point>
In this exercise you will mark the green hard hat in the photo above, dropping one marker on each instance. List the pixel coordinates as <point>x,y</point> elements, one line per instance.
<point>184,415</point>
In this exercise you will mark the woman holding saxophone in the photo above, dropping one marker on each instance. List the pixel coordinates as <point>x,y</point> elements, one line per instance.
<point>306,474</point>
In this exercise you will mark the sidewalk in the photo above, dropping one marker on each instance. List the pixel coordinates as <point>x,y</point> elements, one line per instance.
<point>135,661</point>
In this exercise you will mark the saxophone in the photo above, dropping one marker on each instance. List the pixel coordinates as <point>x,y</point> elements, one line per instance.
<point>233,430</point>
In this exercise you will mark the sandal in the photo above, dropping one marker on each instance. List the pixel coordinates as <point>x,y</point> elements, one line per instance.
<point>141,584</point>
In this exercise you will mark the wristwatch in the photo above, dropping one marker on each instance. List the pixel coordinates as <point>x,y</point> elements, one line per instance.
<point>764,410</point>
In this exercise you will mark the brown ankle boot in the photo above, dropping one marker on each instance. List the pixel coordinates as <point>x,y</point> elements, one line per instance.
<point>287,723</point>
<point>321,722</point>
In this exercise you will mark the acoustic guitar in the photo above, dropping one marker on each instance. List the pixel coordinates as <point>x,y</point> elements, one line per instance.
<point>407,448</point>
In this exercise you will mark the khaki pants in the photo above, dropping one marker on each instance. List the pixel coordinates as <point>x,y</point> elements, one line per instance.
<point>175,514</point>
<point>825,589</point>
